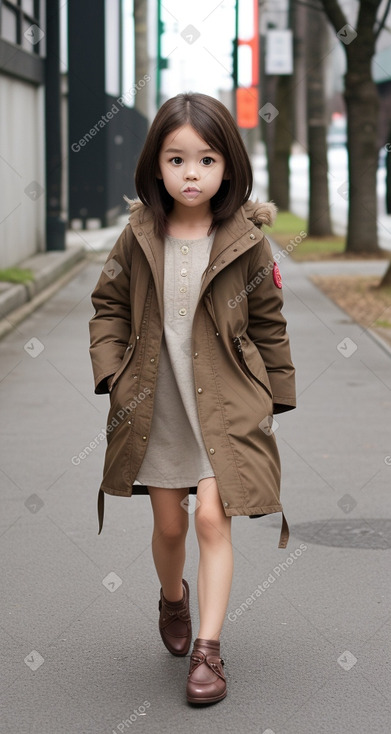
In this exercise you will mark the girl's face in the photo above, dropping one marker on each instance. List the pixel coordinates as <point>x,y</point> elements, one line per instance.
<point>191,171</point>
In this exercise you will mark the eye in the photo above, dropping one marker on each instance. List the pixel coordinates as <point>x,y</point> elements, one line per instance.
<point>176,161</point>
<point>207,161</point>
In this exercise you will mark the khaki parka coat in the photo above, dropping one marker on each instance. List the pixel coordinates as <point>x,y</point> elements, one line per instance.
<point>243,372</point>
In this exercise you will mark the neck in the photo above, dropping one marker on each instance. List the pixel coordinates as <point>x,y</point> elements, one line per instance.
<point>198,218</point>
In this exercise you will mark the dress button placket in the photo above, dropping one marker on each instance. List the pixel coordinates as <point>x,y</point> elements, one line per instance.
<point>182,263</point>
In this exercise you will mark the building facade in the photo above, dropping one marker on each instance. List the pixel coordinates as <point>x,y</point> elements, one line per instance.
<point>22,129</point>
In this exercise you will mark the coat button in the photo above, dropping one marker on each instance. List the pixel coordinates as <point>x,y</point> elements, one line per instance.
<point>226,504</point>
<point>152,359</point>
<point>144,438</point>
<point>130,423</point>
<point>183,289</point>
<point>211,451</point>
<point>184,249</point>
<point>199,389</point>
<point>182,312</point>
<point>195,354</point>
<point>137,337</point>
<point>183,272</point>
<point>213,267</point>
<point>252,236</point>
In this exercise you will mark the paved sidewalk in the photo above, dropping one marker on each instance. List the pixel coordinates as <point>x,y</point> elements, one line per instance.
<point>307,634</point>
<point>95,240</point>
<point>51,270</point>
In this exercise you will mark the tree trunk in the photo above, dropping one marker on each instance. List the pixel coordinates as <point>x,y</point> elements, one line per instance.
<point>388,180</point>
<point>319,223</point>
<point>280,149</point>
<point>279,179</point>
<point>362,106</point>
<point>386,279</point>
<point>141,54</point>
<point>268,94</point>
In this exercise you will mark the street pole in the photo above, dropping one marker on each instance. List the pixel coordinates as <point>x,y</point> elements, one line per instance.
<point>159,53</point>
<point>235,70</point>
<point>55,225</point>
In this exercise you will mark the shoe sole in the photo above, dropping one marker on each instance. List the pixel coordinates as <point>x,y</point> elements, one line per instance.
<point>207,700</point>
<point>177,654</point>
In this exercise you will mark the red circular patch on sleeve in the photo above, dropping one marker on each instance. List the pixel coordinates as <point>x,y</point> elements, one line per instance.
<point>277,276</point>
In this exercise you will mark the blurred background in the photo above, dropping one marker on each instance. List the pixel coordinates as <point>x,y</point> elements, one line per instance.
<point>309,84</point>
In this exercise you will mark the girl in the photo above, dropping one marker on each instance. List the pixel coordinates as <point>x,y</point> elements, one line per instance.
<point>189,340</point>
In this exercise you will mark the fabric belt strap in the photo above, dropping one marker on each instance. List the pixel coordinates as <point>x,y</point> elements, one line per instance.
<point>284,535</point>
<point>101,509</point>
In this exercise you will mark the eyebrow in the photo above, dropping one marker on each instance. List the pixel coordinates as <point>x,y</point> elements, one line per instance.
<point>178,150</point>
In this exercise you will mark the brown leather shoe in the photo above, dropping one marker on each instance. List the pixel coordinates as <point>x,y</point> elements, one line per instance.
<point>206,681</point>
<point>175,622</point>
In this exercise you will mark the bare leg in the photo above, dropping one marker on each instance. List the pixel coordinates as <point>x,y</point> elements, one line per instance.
<point>171,523</point>
<point>215,570</point>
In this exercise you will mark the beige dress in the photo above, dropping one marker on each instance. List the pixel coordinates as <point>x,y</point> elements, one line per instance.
<point>176,456</point>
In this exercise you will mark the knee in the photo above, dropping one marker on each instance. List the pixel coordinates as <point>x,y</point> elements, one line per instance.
<point>210,524</point>
<point>174,533</point>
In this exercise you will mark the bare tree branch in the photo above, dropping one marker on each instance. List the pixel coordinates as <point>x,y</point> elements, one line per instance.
<point>334,13</point>
<point>383,20</point>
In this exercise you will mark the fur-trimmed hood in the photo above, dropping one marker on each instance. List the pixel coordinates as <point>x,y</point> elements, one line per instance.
<point>260,212</point>
<point>257,212</point>
<point>134,204</point>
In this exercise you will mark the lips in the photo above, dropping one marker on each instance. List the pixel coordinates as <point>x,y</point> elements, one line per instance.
<point>190,190</point>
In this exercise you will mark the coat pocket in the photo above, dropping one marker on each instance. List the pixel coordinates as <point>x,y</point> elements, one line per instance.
<point>252,362</point>
<point>125,361</point>
<point>209,307</point>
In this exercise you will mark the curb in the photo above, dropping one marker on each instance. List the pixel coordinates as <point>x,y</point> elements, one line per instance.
<point>382,343</point>
<point>46,267</point>
<point>52,271</point>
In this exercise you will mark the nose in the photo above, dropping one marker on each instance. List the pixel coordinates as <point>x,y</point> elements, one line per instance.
<point>191,172</point>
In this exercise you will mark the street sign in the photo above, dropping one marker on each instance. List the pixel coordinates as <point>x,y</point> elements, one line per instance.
<point>279,52</point>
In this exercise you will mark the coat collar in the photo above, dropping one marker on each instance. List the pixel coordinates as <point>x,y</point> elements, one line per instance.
<point>233,237</point>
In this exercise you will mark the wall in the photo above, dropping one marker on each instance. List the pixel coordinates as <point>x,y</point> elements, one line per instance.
<point>22,173</point>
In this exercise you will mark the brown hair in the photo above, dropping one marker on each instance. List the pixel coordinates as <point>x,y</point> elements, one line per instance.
<point>214,123</point>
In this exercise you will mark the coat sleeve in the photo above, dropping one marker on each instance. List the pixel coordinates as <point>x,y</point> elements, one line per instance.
<point>267,328</point>
<point>110,327</point>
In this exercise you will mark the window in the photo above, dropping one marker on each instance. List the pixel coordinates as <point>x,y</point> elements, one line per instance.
<point>20,23</point>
